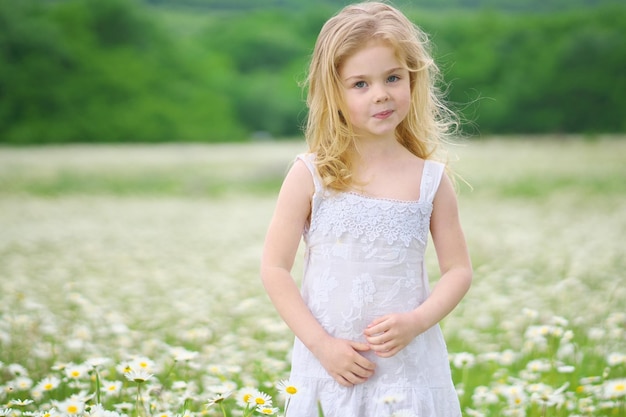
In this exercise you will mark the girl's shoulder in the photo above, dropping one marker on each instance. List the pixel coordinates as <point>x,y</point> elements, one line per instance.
<point>307,160</point>
<point>306,157</point>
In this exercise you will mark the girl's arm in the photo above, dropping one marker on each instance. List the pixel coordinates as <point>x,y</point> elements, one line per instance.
<point>293,208</point>
<point>389,334</point>
<point>454,260</point>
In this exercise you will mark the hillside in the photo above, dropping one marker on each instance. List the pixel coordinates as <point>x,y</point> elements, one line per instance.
<point>443,5</point>
<point>129,71</point>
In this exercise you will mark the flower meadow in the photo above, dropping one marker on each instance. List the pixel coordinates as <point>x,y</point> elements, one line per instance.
<point>129,280</point>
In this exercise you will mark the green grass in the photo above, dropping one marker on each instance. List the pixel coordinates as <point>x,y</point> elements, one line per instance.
<point>126,253</point>
<point>146,183</point>
<point>158,171</point>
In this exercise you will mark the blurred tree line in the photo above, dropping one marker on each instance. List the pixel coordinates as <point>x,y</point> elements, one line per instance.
<point>122,70</point>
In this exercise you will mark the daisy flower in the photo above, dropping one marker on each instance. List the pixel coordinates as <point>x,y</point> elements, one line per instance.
<point>538,365</point>
<point>181,354</point>
<point>262,399</point>
<point>546,395</point>
<point>179,385</point>
<point>73,371</point>
<point>142,363</point>
<point>464,359</point>
<point>22,383</point>
<point>515,395</point>
<point>48,383</point>
<point>16,369</point>
<point>219,398</point>
<point>36,395</point>
<point>226,386</point>
<point>507,357</point>
<point>97,362</point>
<point>565,369</point>
<point>124,368</point>
<point>483,396</point>
<point>286,388</point>
<point>70,406</point>
<point>615,388</point>
<point>245,396</point>
<point>268,411</point>
<point>138,376</point>
<point>53,412</point>
<point>123,407</point>
<point>216,369</point>
<point>530,313</point>
<point>20,403</point>
<point>615,358</point>
<point>111,387</point>
<point>98,410</point>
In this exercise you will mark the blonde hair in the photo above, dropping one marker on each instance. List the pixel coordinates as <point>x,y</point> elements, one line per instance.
<point>328,133</point>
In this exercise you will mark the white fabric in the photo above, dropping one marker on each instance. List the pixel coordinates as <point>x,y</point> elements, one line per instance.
<point>364,258</point>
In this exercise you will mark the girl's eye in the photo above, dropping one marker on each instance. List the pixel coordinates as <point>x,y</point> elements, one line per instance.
<point>393,78</point>
<point>360,84</point>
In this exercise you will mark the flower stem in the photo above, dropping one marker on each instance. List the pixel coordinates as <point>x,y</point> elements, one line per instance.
<point>287,406</point>
<point>97,386</point>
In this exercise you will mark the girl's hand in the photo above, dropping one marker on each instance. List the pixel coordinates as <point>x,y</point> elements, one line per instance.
<point>342,360</point>
<point>390,334</point>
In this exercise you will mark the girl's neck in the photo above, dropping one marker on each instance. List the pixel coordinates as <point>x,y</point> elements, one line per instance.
<point>369,150</point>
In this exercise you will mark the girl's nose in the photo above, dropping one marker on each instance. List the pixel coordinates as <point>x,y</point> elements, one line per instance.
<point>380,95</point>
<point>382,98</point>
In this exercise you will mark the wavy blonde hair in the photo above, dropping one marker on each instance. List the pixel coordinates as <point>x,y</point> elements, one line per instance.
<point>328,133</point>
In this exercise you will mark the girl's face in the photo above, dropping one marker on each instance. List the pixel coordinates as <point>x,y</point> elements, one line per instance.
<point>376,89</point>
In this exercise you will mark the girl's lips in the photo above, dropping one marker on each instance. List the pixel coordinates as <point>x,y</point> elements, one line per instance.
<point>383,114</point>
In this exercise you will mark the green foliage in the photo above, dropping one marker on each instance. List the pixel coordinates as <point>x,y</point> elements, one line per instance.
<point>127,71</point>
<point>539,73</point>
<point>102,70</point>
<point>268,63</point>
<point>299,5</point>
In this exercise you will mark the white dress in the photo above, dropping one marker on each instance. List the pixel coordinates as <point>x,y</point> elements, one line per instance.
<point>364,258</point>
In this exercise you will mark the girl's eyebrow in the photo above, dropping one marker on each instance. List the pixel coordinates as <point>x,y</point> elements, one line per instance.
<point>365,76</point>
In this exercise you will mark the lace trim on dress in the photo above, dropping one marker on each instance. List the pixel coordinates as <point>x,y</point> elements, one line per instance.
<point>389,219</point>
<point>369,219</point>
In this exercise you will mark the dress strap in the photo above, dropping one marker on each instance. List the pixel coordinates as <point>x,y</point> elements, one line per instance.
<point>431,177</point>
<point>309,161</point>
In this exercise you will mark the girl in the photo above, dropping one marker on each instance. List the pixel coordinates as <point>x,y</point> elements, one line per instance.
<point>364,198</point>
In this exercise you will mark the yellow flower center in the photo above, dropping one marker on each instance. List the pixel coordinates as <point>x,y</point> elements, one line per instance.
<point>47,387</point>
<point>620,387</point>
<point>260,401</point>
<point>72,409</point>
<point>246,398</point>
<point>291,390</point>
